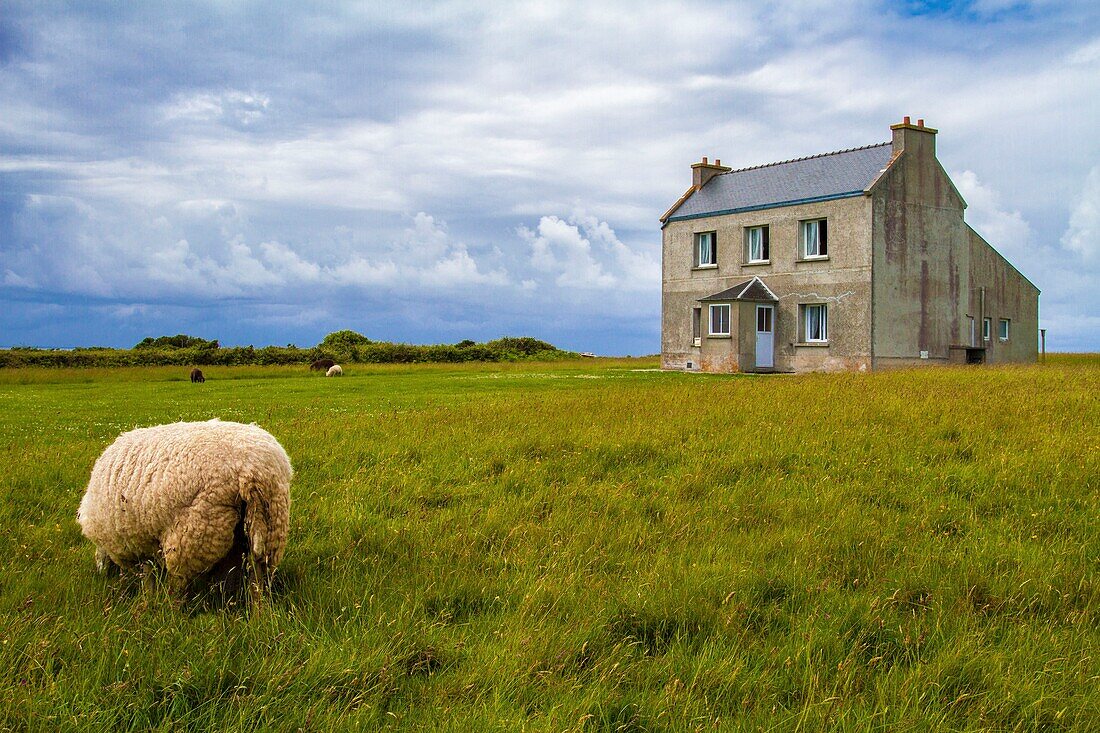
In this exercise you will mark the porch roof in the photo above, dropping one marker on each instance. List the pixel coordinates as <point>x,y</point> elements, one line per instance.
<point>754,289</point>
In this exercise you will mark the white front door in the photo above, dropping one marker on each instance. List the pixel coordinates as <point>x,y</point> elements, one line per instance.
<point>765,336</point>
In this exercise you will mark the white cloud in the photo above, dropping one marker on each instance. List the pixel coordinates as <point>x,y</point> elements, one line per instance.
<point>564,250</point>
<point>1083,234</point>
<point>231,105</point>
<point>290,266</point>
<point>1086,54</point>
<point>360,272</point>
<point>17,281</point>
<point>1007,231</point>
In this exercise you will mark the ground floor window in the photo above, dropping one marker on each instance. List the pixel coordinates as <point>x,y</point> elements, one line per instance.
<point>720,320</point>
<point>1004,329</point>
<point>987,328</point>
<point>815,319</point>
<point>696,323</point>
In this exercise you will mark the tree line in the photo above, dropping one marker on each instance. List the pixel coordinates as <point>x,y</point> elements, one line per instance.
<point>343,346</point>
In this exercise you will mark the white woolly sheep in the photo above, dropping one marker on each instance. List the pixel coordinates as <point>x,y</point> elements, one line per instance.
<point>334,371</point>
<point>205,497</point>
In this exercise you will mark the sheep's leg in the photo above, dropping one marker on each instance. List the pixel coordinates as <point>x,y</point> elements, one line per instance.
<point>103,561</point>
<point>199,538</point>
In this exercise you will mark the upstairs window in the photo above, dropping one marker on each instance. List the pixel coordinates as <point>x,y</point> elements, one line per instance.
<point>720,320</point>
<point>1004,329</point>
<point>815,239</point>
<point>815,320</point>
<point>987,328</point>
<point>757,247</point>
<point>706,249</point>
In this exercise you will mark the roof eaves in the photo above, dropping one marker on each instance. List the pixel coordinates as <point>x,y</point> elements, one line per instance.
<point>679,202</point>
<point>761,207</point>
<point>881,175</point>
<point>765,286</point>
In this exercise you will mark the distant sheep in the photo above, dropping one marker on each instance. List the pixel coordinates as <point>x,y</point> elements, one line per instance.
<point>334,371</point>
<point>205,498</point>
<point>196,376</point>
<point>321,365</point>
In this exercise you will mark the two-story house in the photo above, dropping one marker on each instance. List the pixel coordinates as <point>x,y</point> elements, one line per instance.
<point>853,260</point>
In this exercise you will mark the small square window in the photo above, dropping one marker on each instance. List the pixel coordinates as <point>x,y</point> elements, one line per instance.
<point>815,238</point>
<point>706,249</point>
<point>987,328</point>
<point>757,246</point>
<point>720,320</point>
<point>1004,329</point>
<point>815,322</point>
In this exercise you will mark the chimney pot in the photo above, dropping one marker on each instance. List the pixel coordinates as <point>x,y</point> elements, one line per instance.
<point>718,161</point>
<point>906,120</point>
<point>920,123</point>
<point>704,160</point>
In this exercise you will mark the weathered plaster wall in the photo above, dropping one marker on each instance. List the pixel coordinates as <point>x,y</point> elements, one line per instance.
<point>1008,294</point>
<point>921,259</point>
<point>842,281</point>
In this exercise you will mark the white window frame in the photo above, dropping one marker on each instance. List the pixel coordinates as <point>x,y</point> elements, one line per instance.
<point>804,239</point>
<point>987,329</point>
<point>711,241</point>
<point>765,248</point>
<point>717,307</point>
<point>1004,328</point>
<point>824,336</point>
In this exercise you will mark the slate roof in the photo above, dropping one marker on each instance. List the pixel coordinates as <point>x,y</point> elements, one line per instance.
<point>754,289</point>
<point>816,178</point>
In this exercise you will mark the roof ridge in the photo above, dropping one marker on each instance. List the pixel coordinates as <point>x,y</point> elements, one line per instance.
<point>808,157</point>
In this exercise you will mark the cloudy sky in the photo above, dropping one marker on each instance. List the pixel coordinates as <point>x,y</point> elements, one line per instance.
<point>434,172</point>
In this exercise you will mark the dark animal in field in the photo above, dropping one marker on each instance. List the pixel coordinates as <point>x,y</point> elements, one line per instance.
<point>321,365</point>
<point>196,376</point>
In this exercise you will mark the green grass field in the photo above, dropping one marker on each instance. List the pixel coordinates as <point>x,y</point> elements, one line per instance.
<point>589,545</point>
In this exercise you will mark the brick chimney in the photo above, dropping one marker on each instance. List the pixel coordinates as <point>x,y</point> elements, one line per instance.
<point>703,172</point>
<point>917,139</point>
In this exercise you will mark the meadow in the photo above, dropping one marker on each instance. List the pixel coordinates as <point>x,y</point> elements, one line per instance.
<point>586,545</point>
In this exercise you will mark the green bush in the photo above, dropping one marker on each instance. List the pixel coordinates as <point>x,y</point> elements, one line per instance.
<point>179,341</point>
<point>344,346</point>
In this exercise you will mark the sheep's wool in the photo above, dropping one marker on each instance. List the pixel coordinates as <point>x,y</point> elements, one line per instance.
<point>334,371</point>
<point>180,490</point>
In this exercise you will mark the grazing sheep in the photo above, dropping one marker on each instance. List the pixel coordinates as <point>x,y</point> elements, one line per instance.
<point>203,497</point>
<point>334,371</point>
<point>321,365</point>
<point>196,376</point>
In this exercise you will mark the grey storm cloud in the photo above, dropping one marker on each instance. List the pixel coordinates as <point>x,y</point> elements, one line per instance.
<point>431,172</point>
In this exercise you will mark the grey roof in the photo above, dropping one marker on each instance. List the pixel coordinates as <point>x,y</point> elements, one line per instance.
<point>817,178</point>
<point>754,289</point>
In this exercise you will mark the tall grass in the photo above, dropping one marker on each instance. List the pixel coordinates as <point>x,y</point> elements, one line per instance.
<point>583,546</point>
